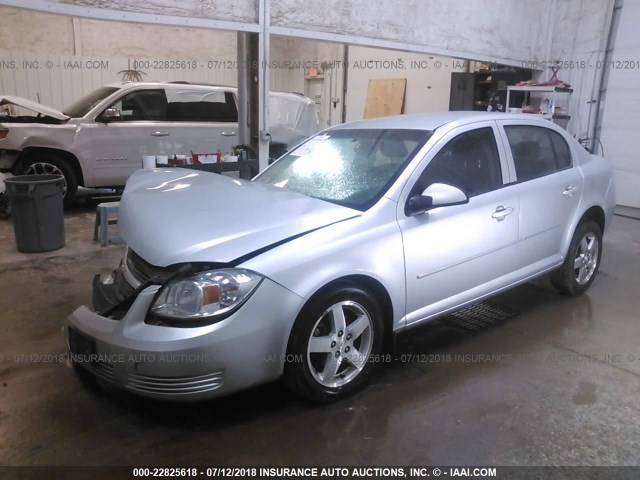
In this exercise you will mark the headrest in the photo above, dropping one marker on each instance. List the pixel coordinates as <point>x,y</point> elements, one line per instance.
<point>526,149</point>
<point>391,147</point>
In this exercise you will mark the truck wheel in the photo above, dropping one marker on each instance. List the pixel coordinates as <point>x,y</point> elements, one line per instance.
<point>49,164</point>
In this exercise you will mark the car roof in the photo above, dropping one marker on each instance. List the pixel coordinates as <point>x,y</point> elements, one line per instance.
<point>177,83</point>
<point>432,121</point>
<point>183,84</point>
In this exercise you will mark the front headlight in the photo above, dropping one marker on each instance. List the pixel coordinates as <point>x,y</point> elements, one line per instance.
<point>206,294</point>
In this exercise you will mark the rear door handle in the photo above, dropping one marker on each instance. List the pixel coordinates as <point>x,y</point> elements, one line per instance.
<point>160,134</point>
<point>228,134</point>
<point>569,190</point>
<point>501,212</point>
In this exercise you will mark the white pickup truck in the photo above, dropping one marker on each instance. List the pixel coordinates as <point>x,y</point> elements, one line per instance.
<point>99,141</point>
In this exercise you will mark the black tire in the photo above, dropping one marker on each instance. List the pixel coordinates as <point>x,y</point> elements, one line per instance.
<point>586,246</point>
<point>49,163</point>
<point>301,371</point>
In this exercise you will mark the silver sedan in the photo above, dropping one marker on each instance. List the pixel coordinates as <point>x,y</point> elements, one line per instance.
<point>365,230</point>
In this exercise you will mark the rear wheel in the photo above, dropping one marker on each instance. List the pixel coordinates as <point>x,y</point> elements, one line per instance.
<point>332,344</point>
<point>50,164</point>
<point>582,262</point>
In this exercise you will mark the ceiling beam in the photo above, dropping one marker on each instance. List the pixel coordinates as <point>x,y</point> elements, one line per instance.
<point>126,16</point>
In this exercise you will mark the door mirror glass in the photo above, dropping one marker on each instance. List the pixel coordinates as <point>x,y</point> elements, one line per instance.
<point>418,204</point>
<point>110,113</point>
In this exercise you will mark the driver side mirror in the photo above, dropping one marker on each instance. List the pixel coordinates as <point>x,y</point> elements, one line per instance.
<point>435,195</point>
<point>110,114</point>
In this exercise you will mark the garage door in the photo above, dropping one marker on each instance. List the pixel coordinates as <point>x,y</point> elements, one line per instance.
<point>620,133</point>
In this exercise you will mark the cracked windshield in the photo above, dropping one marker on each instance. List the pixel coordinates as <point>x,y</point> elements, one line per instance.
<point>351,167</point>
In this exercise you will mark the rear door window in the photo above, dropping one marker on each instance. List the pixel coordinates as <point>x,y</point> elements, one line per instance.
<point>537,151</point>
<point>201,106</point>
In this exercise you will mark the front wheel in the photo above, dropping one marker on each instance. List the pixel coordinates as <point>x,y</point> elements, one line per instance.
<point>332,343</point>
<point>53,165</point>
<point>582,262</point>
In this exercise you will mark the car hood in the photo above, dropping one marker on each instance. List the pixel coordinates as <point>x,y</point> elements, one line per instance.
<point>34,106</point>
<point>180,215</point>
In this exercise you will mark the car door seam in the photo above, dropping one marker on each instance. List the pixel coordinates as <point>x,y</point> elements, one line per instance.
<point>424,275</point>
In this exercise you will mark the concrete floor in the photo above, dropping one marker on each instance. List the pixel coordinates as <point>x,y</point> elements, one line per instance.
<point>563,389</point>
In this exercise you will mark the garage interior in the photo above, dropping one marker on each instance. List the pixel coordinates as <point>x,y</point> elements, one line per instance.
<point>526,378</point>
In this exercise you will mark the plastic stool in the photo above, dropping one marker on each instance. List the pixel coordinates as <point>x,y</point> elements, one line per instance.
<point>102,223</point>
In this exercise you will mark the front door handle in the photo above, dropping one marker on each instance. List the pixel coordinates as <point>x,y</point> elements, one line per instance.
<point>228,134</point>
<point>569,190</point>
<point>501,212</point>
<point>160,134</point>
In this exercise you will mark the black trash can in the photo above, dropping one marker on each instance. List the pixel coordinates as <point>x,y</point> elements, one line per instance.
<point>38,212</point>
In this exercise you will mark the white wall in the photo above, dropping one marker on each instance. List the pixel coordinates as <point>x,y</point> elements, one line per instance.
<point>64,57</point>
<point>580,29</point>
<point>620,133</point>
<point>428,78</point>
<point>448,27</point>
<point>478,29</point>
<point>236,10</point>
<point>35,32</point>
<point>310,53</point>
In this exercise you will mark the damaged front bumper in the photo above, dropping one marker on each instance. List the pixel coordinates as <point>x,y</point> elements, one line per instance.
<point>182,363</point>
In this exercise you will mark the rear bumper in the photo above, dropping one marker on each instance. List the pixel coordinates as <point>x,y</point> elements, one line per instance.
<point>186,364</point>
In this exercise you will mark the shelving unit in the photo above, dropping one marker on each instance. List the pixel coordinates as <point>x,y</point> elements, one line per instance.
<point>538,89</point>
<point>473,90</point>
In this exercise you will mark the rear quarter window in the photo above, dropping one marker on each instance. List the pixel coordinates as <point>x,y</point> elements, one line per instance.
<point>537,151</point>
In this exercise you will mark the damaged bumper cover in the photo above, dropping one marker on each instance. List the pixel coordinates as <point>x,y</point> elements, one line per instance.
<point>185,364</point>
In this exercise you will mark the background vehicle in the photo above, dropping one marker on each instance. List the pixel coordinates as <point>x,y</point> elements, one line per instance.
<point>365,230</point>
<point>99,141</point>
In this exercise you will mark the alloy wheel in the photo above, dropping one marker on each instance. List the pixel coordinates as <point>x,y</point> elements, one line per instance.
<point>44,168</point>
<point>586,259</point>
<point>340,344</point>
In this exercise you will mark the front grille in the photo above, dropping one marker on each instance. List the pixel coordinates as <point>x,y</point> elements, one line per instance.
<point>145,272</point>
<point>175,385</point>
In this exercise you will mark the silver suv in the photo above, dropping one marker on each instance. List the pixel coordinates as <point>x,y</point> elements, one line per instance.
<point>99,141</point>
